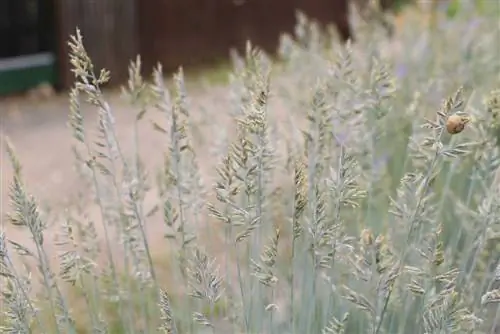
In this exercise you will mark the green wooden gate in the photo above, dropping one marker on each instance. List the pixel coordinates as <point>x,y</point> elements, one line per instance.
<point>27,44</point>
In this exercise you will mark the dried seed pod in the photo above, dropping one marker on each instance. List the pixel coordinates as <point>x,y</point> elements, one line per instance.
<point>367,237</point>
<point>456,123</point>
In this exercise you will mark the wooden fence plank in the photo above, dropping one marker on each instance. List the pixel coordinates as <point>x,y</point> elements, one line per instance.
<point>109,32</point>
<point>188,32</point>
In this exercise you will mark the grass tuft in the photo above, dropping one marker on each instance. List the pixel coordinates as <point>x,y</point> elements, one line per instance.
<point>356,190</point>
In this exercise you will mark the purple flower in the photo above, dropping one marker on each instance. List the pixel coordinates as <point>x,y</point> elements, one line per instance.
<point>474,24</point>
<point>379,166</point>
<point>341,135</point>
<point>401,71</point>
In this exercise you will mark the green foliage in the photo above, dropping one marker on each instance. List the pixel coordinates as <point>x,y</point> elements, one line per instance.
<point>453,8</point>
<point>398,5</point>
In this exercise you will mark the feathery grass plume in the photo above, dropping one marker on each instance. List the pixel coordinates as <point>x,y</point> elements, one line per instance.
<point>413,203</point>
<point>325,225</point>
<point>178,182</point>
<point>382,87</point>
<point>345,83</point>
<point>343,183</point>
<point>375,133</point>
<point>345,193</point>
<point>227,188</point>
<point>308,34</point>
<point>491,297</point>
<point>375,265</point>
<point>336,326</point>
<point>255,156</point>
<point>298,208</point>
<point>425,277</point>
<point>318,137</point>
<point>264,270</point>
<point>318,232</point>
<point>79,248</point>
<point>75,116</point>
<point>485,225</point>
<point>358,118</point>
<point>137,91</point>
<point>167,318</point>
<point>381,90</point>
<point>246,170</point>
<point>317,240</point>
<point>175,183</point>
<point>194,187</point>
<point>300,196</point>
<point>414,206</point>
<point>481,245</point>
<point>350,102</point>
<point>306,41</point>
<point>445,310</point>
<point>477,236</point>
<point>253,150</point>
<point>373,15</point>
<point>26,214</point>
<point>17,317</point>
<point>19,311</point>
<point>424,220</point>
<point>303,61</point>
<point>480,168</point>
<point>76,125</point>
<point>133,189</point>
<point>180,185</point>
<point>106,161</point>
<point>135,181</point>
<point>205,286</point>
<point>493,109</point>
<point>246,174</point>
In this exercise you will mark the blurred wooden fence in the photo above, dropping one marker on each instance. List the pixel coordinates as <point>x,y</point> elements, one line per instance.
<point>109,29</point>
<point>180,32</point>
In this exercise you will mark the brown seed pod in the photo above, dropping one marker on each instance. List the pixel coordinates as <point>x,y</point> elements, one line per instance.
<point>367,237</point>
<point>456,124</point>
